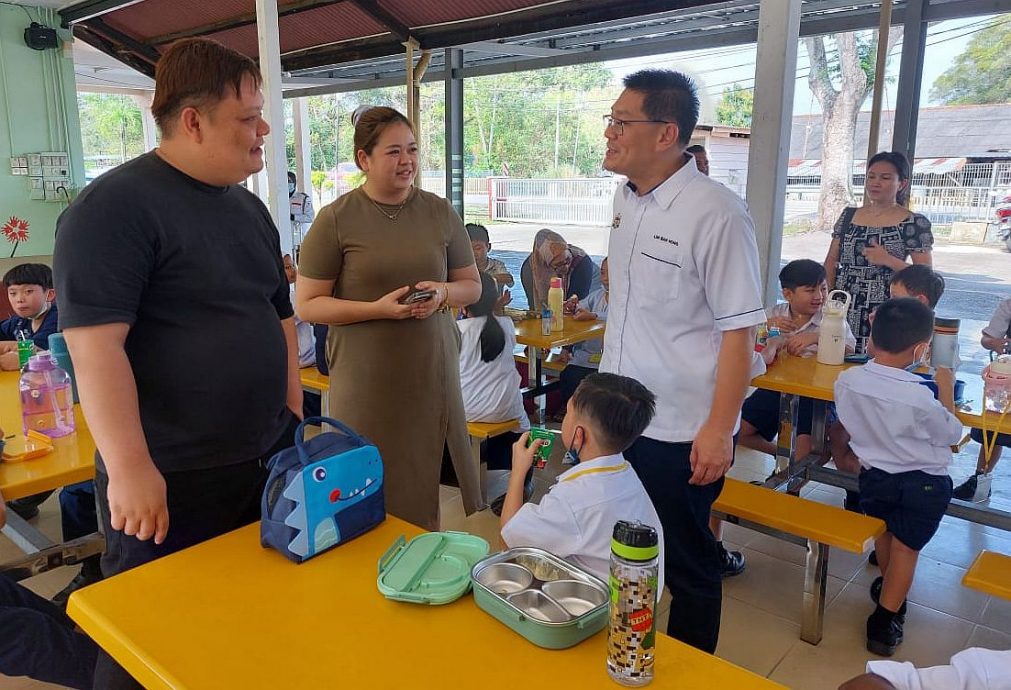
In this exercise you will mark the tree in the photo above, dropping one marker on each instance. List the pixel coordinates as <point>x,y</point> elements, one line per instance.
<point>981,74</point>
<point>734,108</point>
<point>112,126</point>
<point>841,82</point>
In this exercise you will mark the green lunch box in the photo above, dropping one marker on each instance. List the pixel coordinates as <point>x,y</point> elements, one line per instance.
<point>432,568</point>
<point>547,600</point>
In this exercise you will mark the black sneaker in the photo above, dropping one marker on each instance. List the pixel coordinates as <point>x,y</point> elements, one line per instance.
<point>91,572</point>
<point>876,594</point>
<point>26,511</point>
<point>731,562</point>
<point>884,632</point>
<point>873,558</point>
<point>976,489</point>
<point>496,505</point>
<point>852,502</point>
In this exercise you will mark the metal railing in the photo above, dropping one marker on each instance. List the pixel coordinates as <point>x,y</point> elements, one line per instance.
<point>576,201</point>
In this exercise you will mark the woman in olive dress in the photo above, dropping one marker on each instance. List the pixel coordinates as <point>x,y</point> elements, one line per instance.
<point>394,367</point>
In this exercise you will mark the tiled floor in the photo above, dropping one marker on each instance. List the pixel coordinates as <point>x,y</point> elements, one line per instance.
<point>761,607</point>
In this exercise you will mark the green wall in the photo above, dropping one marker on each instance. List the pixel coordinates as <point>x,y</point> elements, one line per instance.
<point>38,112</point>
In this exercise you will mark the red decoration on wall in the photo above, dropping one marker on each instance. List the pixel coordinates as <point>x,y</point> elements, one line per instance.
<point>16,232</point>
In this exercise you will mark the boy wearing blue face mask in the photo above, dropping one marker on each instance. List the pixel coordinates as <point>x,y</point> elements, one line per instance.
<point>575,519</point>
<point>904,477</point>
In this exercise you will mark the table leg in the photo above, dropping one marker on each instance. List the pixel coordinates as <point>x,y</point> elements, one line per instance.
<point>815,577</point>
<point>786,440</point>
<point>535,380</point>
<point>482,469</point>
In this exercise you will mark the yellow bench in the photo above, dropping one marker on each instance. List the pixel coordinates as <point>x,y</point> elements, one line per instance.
<point>816,525</point>
<point>315,382</point>
<point>990,573</point>
<point>480,432</point>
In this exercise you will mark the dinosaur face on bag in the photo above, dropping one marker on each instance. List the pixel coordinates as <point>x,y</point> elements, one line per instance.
<point>329,497</point>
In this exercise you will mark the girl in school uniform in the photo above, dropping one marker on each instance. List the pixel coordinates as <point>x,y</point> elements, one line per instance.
<point>488,376</point>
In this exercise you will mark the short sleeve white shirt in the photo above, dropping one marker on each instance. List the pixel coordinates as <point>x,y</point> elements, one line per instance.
<point>1000,322</point>
<point>812,325</point>
<point>971,669</point>
<point>683,265</point>
<point>491,390</point>
<point>589,352</point>
<point>894,422</point>
<point>575,519</point>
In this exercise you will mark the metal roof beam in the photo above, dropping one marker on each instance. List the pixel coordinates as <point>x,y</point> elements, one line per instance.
<point>496,48</point>
<point>939,10</point>
<point>384,17</point>
<point>90,9</point>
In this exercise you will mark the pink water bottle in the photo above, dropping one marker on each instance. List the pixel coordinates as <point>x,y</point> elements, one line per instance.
<point>47,398</point>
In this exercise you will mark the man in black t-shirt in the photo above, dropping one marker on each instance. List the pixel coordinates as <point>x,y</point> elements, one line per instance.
<point>175,307</point>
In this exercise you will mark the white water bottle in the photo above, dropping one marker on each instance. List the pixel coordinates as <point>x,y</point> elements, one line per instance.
<point>832,331</point>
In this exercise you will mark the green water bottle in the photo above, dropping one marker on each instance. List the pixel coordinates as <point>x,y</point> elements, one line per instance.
<point>26,348</point>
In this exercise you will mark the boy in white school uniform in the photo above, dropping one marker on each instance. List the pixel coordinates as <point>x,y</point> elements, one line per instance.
<point>575,519</point>
<point>902,436</point>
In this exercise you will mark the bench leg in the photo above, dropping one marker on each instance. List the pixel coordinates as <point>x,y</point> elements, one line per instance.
<point>482,468</point>
<point>815,577</point>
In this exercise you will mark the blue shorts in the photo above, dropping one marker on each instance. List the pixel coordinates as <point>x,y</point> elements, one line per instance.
<point>911,503</point>
<point>761,410</point>
<point>1002,439</point>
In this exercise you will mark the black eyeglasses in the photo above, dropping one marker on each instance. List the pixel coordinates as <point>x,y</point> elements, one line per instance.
<point>620,124</point>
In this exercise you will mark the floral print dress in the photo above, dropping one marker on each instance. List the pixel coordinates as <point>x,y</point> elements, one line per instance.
<point>866,282</point>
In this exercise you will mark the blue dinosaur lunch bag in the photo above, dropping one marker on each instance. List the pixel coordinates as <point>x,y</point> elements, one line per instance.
<point>321,492</point>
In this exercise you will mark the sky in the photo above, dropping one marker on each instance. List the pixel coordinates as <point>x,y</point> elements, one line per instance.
<point>718,68</point>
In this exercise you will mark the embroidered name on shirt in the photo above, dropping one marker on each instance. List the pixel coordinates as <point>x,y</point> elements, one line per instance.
<point>666,239</point>
<point>616,222</point>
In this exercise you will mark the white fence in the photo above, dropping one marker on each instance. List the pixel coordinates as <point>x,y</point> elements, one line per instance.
<point>576,201</point>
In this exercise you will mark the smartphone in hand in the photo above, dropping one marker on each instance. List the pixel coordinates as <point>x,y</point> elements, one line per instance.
<point>416,295</point>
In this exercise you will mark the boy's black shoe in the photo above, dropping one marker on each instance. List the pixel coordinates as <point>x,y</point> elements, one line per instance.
<point>852,502</point>
<point>91,572</point>
<point>528,491</point>
<point>731,562</point>
<point>876,594</point>
<point>873,558</point>
<point>884,632</point>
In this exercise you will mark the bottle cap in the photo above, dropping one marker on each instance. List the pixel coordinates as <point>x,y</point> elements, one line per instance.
<point>41,362</point>
<point>556,282</point>
<point>57,343</point>
<point>635,541</point>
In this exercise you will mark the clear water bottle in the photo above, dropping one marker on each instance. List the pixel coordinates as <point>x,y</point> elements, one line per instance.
<point>47,403</point>
<point>631,633</point>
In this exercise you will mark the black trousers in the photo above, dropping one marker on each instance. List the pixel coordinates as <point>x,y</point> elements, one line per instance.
<point>202,504</point>
<point>691,561</point>
<point>40,642</point>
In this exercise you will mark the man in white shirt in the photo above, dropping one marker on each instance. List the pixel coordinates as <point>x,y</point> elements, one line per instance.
<point>685,298</point>
<point>576,518</point>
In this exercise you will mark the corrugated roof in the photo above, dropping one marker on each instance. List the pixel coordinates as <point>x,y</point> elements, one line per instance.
<point>957,131</point>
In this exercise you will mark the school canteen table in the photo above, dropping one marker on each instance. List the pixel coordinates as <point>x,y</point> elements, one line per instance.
<point>72,461</point>
<point>230,614</point>
<point>528,332</point>
<point>804,377</point>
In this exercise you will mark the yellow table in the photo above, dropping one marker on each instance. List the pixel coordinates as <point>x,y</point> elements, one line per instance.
<point>528,332</point>
<point>230,614</point>
<point>72,461</point>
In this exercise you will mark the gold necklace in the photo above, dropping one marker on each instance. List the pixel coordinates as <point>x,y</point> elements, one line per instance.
<point>391,216</point>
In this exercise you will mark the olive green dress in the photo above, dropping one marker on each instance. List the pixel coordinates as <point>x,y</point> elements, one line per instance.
<point>397,382</point>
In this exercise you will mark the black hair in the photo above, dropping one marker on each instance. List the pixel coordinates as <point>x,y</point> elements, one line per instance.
<point>492,336</point>
<point>30,274</point>
<point>478,233</point>
<point>619,407</point>
<point>919,279</point>
<point>898,161</point>
<point>291,177</point>
<point>801,273</point>
<point>900,323</point>
<point>668,96</point>
<point>695,148</point>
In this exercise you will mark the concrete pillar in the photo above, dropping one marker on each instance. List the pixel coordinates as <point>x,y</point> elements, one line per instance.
<point>772,117</point>
<point>303,155</point>
<point>907,101</point>
<point>454,130</point>
<point>147,119</point>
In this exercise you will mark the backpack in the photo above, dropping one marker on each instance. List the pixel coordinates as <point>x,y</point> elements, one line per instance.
<point>322,492</point>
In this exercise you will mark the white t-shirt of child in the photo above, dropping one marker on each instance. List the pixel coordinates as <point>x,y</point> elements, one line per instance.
<point>782,310</point>
<point>575,519</point>
<point>491,390</point>
<point>589,352</point>
<point>971,669</point>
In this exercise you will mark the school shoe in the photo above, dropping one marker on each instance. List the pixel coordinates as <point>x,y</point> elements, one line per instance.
<point>852,502</point>
<point>91,572</point>
<point>876,594</point>
<point>884,632</point>
<point>976,488</point>
<point>873,557</point>
<point>528,491</point>
<point>731,562</point>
